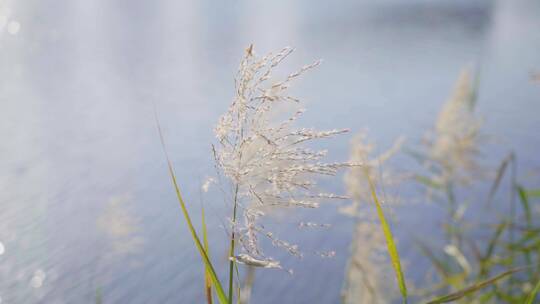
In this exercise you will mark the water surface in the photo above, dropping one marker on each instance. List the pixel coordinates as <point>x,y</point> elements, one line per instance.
<point>86,204</point>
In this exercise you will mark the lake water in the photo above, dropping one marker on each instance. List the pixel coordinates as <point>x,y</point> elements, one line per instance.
<point>87,208</point>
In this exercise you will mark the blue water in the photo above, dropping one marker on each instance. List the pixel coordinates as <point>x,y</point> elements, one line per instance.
<point>87,208</point>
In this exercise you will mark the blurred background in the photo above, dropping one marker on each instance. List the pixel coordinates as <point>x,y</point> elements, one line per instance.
<point>87,210</point>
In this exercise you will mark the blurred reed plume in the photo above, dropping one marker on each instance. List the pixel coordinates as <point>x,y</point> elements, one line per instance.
<point>356,178</point>
<point>503,265</point>
<point>450,155</point>
<point>455,146</point>
<point>368,270</point>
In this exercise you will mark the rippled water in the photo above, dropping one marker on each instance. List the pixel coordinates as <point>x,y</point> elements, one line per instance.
<point>87,209</point>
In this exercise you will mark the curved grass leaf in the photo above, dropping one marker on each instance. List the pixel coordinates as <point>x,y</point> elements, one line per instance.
<point>523,197</point>
<point>501,227</point>
<point>392,249</point>
<point>440,265</point>
<point>219,289</point>
<point>99,296</point>
<point>475,287</point>
<point>473,95</point>
<point>426,181</point>
<point>500,173</point>
<point>532,296</point>
<point>533,193</point>
<point>207,276</point>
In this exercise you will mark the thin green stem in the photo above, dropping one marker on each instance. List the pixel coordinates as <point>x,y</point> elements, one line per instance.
<point>231,251</point>
<point>513,182</point>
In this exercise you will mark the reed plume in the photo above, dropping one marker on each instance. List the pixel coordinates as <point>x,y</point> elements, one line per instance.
<point>368,269</point>
<point>265,157</point>
<point>455,146</point>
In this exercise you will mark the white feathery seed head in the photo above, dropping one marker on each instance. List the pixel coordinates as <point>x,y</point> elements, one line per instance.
<point>264,155</point>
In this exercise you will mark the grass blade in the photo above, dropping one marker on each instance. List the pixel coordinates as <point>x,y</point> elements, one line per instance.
<point>426,181</point>
<point>475,287</point>
<point>500,173</point>
<point>523,196</point>
<point>441,267</point>
<point>219,289</point>
<point>207,276</point>
<point>495,239</point>
<point>417,155</point>
<point>473,96</point>
<point>392,250</point>
<point>532,296</point>
<point>533,193</point>
<point>99,297</point>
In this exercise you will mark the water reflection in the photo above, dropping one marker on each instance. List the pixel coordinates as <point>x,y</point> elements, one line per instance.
<point>38,278</point>
<point>120,227</point>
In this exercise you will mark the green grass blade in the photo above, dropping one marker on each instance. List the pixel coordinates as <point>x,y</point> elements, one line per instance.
<point>392,249</point>
<point>486,297</point>
<point>442,268</point>
<point>495,240</point>
<point>486,261</point>
<point>532,296</point>
<point>219,289</point>
<point>473,96</point>
<point>497,182</point>
<point>207,275</point>
<point>426,181</point>
<point>99,297</point>
<point>523,197</point>
<point>417,155</point>
<point>474,288</point>
<point>533,193</point>
<point>238,284</point>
